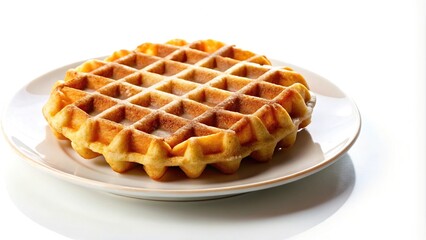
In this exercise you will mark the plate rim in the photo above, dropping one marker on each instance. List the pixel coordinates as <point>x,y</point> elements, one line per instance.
<point>146,193</point>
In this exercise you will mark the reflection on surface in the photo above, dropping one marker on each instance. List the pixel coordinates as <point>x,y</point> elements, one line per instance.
<point>86,214</point>
<point>25,149</point>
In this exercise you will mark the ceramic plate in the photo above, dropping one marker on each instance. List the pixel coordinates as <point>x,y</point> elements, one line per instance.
<point>335,126</point>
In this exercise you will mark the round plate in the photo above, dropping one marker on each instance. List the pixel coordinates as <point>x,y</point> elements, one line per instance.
<point>335,126</point>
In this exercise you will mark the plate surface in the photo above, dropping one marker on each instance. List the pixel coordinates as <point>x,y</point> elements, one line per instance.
<point>335,126</point>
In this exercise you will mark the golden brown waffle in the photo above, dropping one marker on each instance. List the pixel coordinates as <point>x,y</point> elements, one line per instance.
<point>179,104</point>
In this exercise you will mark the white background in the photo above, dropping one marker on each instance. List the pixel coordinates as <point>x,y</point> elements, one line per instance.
<point>373,50</point>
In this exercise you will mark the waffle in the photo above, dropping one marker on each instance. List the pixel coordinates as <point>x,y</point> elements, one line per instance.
<point>179,104</point>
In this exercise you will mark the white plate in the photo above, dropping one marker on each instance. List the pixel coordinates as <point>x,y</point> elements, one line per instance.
<point>335,126</point>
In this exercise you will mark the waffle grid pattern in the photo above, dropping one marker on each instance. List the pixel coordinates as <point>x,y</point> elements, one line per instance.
<point>179,104</point>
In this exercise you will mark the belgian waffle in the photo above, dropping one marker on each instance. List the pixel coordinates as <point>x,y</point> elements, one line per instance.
<point>179,104</point>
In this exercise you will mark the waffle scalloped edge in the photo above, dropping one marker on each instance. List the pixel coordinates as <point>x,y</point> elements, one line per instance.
<point>179,104</point>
